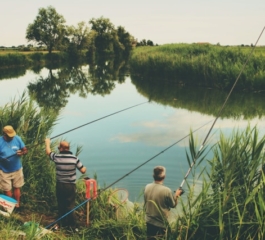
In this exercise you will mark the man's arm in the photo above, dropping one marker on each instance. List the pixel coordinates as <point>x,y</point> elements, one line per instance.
<point>176,196</point>
<point>47,146</point>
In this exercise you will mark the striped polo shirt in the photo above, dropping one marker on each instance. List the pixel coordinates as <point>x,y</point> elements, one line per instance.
<point>66,164</point>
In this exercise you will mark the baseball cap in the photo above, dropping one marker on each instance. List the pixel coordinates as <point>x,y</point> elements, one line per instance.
<point>9,131</point>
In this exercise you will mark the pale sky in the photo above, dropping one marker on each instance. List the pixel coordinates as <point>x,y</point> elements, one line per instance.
<point>228,22</point>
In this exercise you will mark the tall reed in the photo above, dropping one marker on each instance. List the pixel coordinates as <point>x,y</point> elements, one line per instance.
<point>32,124</point>
<point>231,202</point>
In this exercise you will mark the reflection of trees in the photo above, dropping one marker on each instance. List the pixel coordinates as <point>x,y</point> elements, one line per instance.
<point>52,91</point>
<point>7,73</point>
<point>207,101</point>
<point>49,92</point>
<point>105,72</point>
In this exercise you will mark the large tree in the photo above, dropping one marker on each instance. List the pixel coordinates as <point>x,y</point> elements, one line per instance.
<point>47,29</point>
<point>126,40</point>
<point>105,31</point>
<point>79,36</point>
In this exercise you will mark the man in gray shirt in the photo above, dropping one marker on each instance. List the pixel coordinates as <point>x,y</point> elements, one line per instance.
<point>158,199</point>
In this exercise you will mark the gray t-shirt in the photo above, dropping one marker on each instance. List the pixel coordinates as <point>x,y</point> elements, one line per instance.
<point>158,201</point>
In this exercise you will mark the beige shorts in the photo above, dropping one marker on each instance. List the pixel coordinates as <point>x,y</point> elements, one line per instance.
<point>9,180</point>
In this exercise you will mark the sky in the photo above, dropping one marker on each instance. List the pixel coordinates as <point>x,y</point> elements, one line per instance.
<point>227,22</point>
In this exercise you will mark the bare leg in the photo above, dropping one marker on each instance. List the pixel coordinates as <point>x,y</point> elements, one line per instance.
<point>8,193</point>
<point>17,195</point>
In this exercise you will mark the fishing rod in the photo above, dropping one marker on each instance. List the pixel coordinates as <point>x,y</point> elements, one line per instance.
<point>87,200</point>
<point>83,126</point>
<point>152,158</point>
<point>220,111</point>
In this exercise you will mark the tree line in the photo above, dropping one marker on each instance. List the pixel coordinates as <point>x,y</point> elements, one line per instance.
<point>97,36</point>
<point>49,30</point>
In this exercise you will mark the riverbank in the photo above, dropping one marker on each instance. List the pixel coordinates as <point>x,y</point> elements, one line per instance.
<point>202,65</point>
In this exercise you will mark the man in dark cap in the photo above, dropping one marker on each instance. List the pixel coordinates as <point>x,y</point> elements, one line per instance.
<point>158,199</point>
<point>11,175</point>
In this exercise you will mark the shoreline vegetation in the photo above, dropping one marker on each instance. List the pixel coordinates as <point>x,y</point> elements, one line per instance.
<point>228,205</point>
<point>202,65</point>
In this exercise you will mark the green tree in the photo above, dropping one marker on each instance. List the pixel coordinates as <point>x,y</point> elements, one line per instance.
<point>104,39</point>
<point>47,29</point>
<point>79,36</point>
<point>126,40</point>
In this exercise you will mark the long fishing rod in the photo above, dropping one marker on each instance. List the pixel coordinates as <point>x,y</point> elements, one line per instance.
<point>82,126</point>
<point>152,158</point>
<point>220,111</point>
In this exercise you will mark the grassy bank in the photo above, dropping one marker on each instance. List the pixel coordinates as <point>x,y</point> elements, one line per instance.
<point>201,65</point>
<point>11,59</point>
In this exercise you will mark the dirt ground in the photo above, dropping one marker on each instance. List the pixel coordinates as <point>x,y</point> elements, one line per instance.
<point>23,215</point>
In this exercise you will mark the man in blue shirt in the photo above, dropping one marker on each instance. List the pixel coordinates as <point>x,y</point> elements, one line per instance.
<point>11,175</point>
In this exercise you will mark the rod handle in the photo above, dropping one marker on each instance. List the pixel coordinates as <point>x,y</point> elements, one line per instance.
<point>182,190</point>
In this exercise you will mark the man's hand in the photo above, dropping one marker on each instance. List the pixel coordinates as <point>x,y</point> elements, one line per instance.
<point>22,151</point>
<point>178,192</point>
<point>19,153</point>
<point>48,141</point>
<point>83,170</point>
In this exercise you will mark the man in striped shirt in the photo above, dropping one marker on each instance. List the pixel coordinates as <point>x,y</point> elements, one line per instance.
<point>66,164</point>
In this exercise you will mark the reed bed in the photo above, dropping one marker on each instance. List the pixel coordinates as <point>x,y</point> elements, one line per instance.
<point>231,202</point>
<point>200,65</point>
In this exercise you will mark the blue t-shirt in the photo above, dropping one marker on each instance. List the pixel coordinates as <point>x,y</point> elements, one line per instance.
<point>7,149</point>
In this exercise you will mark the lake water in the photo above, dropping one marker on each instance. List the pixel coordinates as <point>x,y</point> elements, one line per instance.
<point>116,145</point>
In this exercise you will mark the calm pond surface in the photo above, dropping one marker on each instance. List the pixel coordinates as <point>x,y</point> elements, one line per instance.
<point>114,146</point>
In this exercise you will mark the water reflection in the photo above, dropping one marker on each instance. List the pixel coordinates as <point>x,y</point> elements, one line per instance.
<point>206,101</point>
<point>53,90</point>
<point>9,73</point>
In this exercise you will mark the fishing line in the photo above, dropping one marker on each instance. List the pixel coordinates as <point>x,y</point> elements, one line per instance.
<point>221,109</point>
<point>153,157</point>
<point>84,125</point>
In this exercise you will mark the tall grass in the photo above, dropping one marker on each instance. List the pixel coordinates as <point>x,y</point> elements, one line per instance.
<point>33,58</point>
<point>199,65</point>
<point>231,202</point>
<point>32,125</point>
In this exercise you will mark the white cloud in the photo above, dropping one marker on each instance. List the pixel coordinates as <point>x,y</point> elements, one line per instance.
<point>178,125</point>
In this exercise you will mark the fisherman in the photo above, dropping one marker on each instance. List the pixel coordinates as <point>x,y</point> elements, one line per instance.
<point>158,199</point>
<point>11,172</point>
<point>66,164</point>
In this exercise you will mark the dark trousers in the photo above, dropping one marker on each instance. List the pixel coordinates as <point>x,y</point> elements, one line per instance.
<point>65,193</point>
<point>153,232</point>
